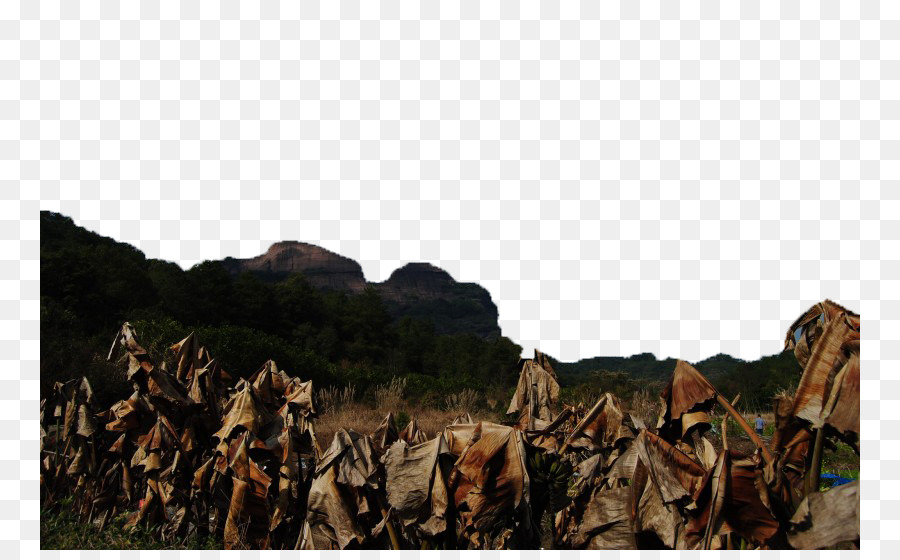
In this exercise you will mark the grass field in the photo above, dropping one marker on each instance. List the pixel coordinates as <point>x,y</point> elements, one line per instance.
<point>61,530</point>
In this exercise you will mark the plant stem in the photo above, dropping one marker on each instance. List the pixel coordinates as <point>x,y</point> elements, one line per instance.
<point>746,427</point>
<point>815,469</point>
<point>725,423</point>
<point>395,542</point>
<point>583,424</point>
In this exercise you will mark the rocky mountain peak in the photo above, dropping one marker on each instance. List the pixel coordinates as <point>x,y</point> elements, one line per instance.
<point>321,267</point>
<point>418,290</point>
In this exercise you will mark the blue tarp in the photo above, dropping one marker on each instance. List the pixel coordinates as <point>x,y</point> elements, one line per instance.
<point>838,480</point>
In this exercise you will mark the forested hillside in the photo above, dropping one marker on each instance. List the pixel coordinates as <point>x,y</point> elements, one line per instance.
<point>91,284</point>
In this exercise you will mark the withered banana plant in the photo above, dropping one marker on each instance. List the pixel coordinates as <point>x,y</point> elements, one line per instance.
<point>536,393</point>
<point>490,486</point>
<point>825,408</point>
<point>189,452</point>
<point>193,450</point>
<point>417,491</point>
<point>346,506</point>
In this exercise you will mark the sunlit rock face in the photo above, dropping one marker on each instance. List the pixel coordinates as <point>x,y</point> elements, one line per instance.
<point>322,268</point>
<point>417,290</point>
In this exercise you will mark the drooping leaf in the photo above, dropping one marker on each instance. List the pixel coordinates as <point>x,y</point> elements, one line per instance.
<point>494,482</point>
<point>605,429</point>
<point>842,409</point>
<point>411,434</point>
<point>536,392</point>
<point>606,524</point>
<point>687,399</point>
<point>826,518</point>
<point>416,489</point>
<point>385,434</point>
<point>243,410</point>
<point>674,473</point>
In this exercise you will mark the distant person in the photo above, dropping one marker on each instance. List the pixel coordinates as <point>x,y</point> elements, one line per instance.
<point>759,424</point>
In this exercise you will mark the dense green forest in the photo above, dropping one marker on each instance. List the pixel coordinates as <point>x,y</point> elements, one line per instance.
<point>91,284</point>
<point>757,380</point>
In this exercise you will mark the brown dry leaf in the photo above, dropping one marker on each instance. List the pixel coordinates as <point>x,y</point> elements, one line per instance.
<point>248,513</point>
<point>291,420</point>
<point>494,481</point>
<point>815,383</point>
<point>791,443</point>
<point>748,507</point>
<point>80,461</point>
<point>415,484</point>
<point>125,338</point>
<point>200,390</point>
<point>385,434</point>
<point>623,466</point>
<point>706,453</point>
<point>270,383</point>
<point>536,391</point>
<point>355,459</point>
<point>330,516</point>
<point>673,472</point>
<point>651,514</point>
<point>75,402</point>
<point>411,434</point>
<point>804,332</point>
<point>544,361</point>
<point>245,410</point>
<point>553,435</point>
<point>160,440</point>
<point>305,541</point>
<point>842,409</point>
<point>605,429</point>
<point>458,435</point>
<point>686,399</point>
<point>125,415</point>
<point>826,518</point>
<point>735,498</point>
<point>287,475</point>
<point>710,499</point>
<point>203,477</point>
<point>606,524</point>
<point>300,397</point>
<point>347,469</point>
<point>188,357</point>
<point>162,384</point>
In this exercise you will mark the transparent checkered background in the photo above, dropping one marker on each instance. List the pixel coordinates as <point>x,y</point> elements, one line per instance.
<point>677,178</point>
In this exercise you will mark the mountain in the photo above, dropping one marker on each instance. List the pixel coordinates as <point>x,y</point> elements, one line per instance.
<point>308,309</point>
<point>321,268</point>
<point>314,313</point>
<point>416,290</point>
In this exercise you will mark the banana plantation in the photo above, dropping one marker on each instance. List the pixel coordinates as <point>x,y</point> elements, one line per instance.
<point>196,451</point>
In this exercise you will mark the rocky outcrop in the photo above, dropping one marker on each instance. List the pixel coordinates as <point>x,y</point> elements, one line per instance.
<point>426,292</point>
<point>322,268</point>
<point>417,290</point>
<point>415,281</point>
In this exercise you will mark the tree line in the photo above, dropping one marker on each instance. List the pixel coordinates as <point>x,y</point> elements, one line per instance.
<point>91,284</point>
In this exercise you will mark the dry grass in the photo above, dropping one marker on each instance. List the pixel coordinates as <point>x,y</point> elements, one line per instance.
<point>645,406</point>
<point>462,402</point>
<point>355,416</point>
<point>341,410</point>
<point>333,398</point>
<point>389,396</point>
